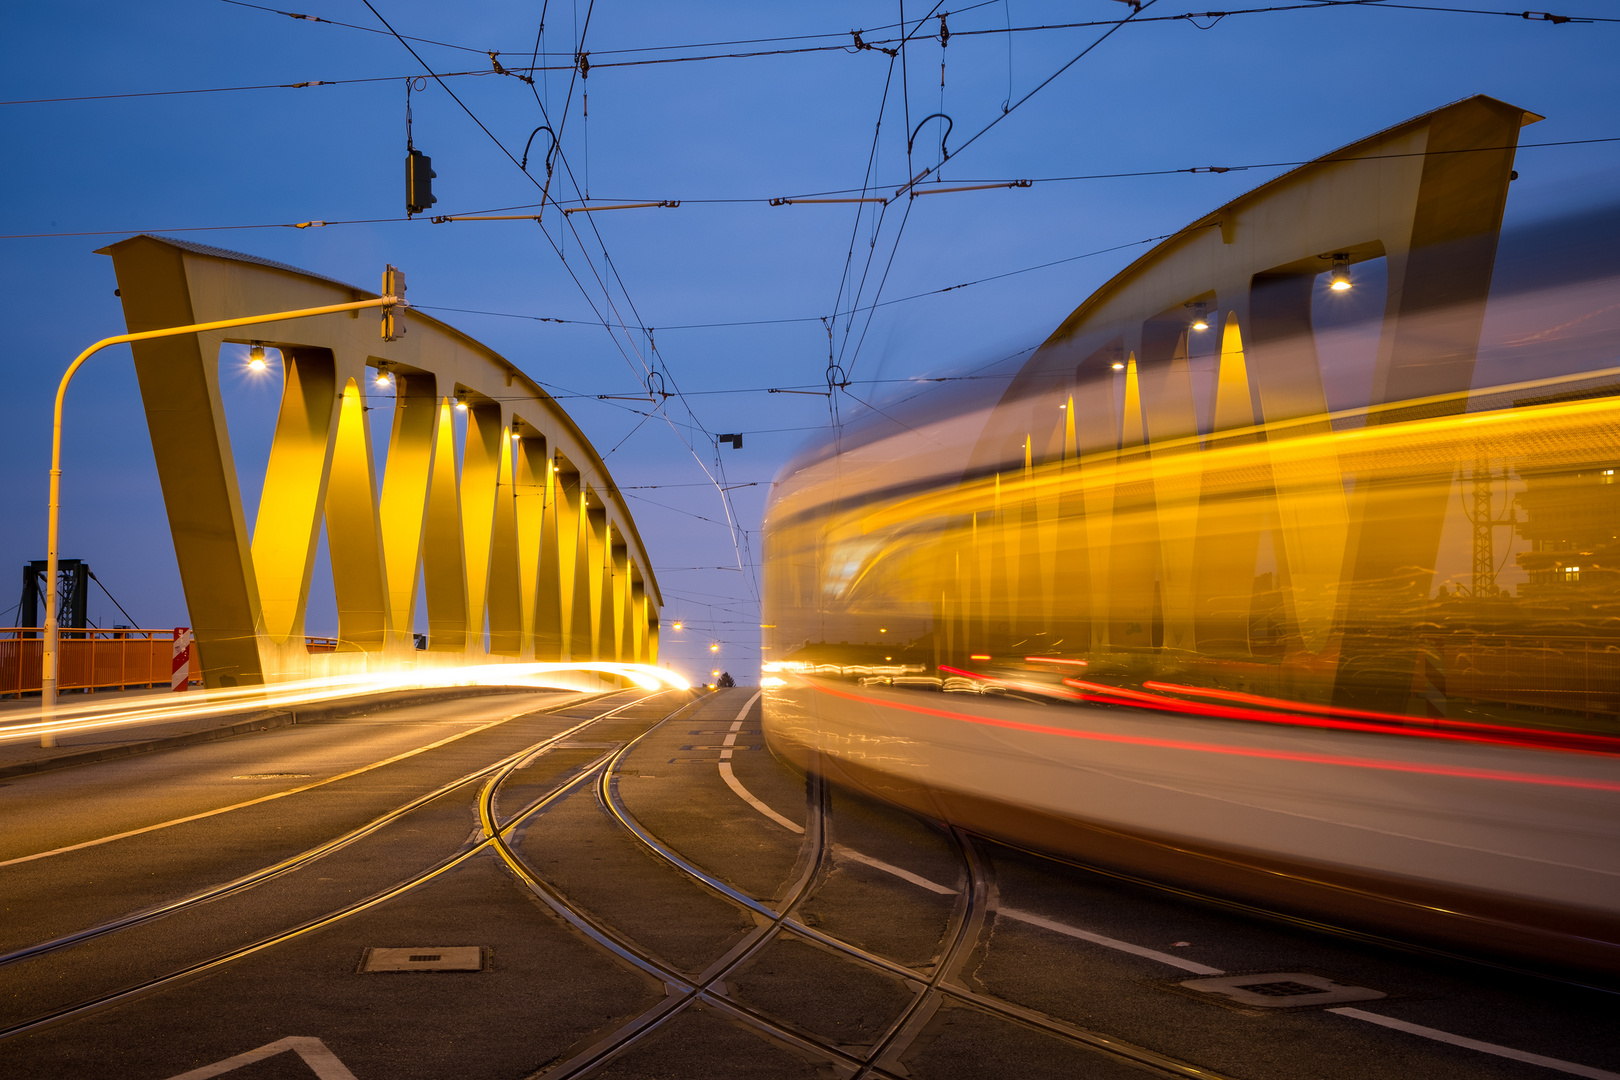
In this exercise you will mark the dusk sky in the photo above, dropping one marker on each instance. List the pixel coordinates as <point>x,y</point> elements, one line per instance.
<point>721,107</point>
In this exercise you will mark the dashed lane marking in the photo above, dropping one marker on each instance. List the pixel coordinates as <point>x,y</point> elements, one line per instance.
<point>1436,1034</point>
<point>1113,943</point>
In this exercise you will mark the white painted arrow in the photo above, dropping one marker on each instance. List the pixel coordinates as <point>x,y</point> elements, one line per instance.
<point>322,1062</point>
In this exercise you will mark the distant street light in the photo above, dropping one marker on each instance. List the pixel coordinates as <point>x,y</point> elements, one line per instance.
<point>53,632</point>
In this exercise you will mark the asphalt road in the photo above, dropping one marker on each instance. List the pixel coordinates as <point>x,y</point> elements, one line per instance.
<point>646,892</point>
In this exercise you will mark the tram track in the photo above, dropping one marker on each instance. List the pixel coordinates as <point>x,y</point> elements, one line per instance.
<point>611,885</point>
<point>684,991</point>
<point>495,772</point>
<point>935,987</point>
<point>294,862</point>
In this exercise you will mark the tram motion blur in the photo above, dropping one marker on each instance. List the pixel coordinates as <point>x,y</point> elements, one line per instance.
<point>1286,570</point>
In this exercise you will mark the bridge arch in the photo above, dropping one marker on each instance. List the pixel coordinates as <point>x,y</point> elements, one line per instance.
<point>525,532</point>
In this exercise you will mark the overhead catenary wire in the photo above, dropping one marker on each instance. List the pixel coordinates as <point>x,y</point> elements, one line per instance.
<point>536,52</point>
<point>737,535</point>
<point>870,306</point>
<point>562,156</point>
<point>1008,110</point>
<point>1535,16</point>
<point>1549,18</point>
<point>779,200</point>
<point>502,146</point>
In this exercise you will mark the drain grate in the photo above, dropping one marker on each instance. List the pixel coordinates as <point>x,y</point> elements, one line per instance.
<point>1281,990</point>
<point>1276,989</point>
<point>458,958</point>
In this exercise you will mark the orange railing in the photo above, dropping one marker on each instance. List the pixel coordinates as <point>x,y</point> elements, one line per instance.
<point>90,659</point>
<point>1567,674</point>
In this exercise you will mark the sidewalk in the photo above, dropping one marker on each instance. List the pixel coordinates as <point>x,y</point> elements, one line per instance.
<point>19,757</point>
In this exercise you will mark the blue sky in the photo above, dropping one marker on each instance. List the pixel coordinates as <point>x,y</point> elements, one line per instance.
<point>1278,86</point>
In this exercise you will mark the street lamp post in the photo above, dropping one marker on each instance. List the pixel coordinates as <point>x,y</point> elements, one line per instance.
<point>53,632</point>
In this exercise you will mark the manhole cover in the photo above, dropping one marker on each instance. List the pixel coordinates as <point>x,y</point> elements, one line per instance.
<point>1281,990</point>
<point>455,958</point>
<point>273,776</point>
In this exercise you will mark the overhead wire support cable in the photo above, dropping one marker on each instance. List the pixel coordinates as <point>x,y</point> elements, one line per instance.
<point>1534,16</point>
<point>853,199</point>
<point>444,218</point>
<point>970,187</point>
<point>671,203</point>
<point>1218,169</point>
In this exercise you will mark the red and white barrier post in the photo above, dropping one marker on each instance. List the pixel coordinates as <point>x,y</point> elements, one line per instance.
<point>180,673</point>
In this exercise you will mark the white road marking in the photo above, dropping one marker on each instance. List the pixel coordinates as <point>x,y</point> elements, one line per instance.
<point>736,785</point>
<point>321,1061</point>
<point>1112,943</point>
<point>262,798</point>
<point>1475,1044</point>
<point>889,868</point>
<point>1139,950</point>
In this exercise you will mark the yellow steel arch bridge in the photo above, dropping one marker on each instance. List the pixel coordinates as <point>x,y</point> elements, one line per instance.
<point>524,546</point>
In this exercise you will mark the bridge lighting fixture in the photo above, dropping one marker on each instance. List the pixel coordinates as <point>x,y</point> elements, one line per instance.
<point>1199,322</point>
<point>382,377</point>
<point>679,625</point>
<point>1339,276</point>
<point>461,406</point>
<point>715,647</point>
<point>1118,366</point>
<point>256,357</point>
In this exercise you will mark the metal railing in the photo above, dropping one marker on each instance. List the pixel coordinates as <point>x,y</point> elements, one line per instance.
<point>1567,674</point>
<point>91,659</point>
